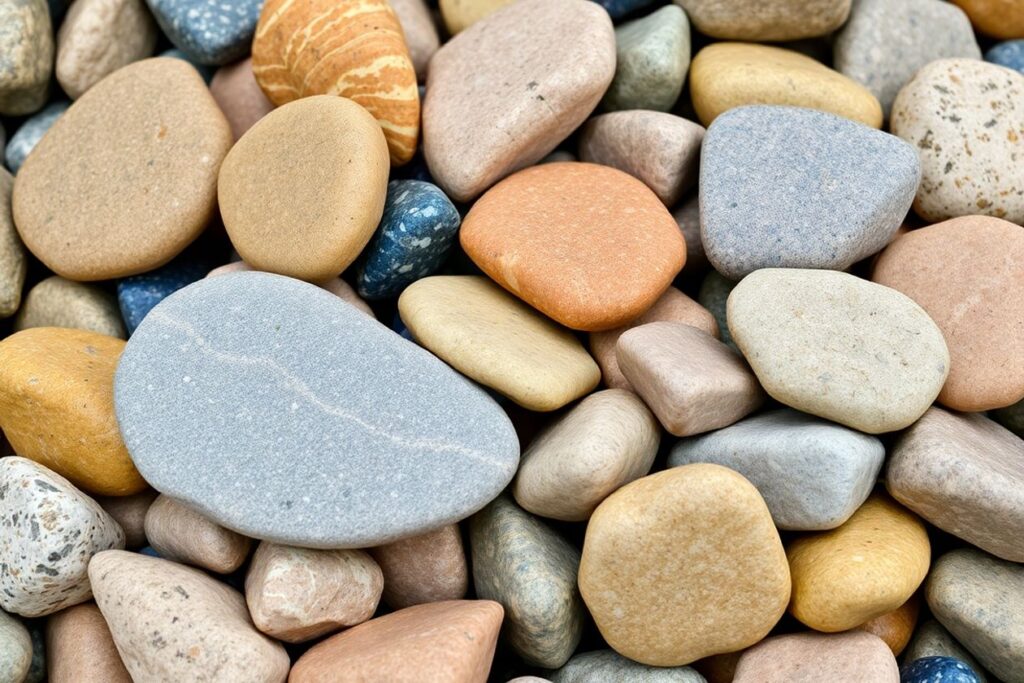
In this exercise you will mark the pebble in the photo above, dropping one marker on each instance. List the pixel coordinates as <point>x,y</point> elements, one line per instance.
<point>98,37</point>
<point>430,567</point>
<point>531,571</point>
<point>56,302</point>
<point>766,20</point>
<point>206,71</point>
<point>965,474</point>
<point>895,627</point>
<point>180,534</point>
<point>420,33</point>
<point>57,407</point>
<point>937,670</point>
<point>980,599</point>
<point>660,150</point>
<point>813,474</point>
<point>175,623</point>
<point>363,57</point>
<point>884,43</point>
<point>50,530</point>
<point>931,639</point>
<point>652,58</point>
<point>208,32</point>
<point>783,187</point>
<point>30,133</point>
<point>531,87</point>
<point>26,44</point>
<point>495,339</point>
<point>238,95</point>
<point>997,18</point>
<point>458,15</point>
<point>334,285</point>
<point>138,294</point>
<point>835,346</point>
<point>683,564</point>
<point>690,380</point>
<point>964,118</point>
<point>298,594</point>
<point>307,221</point>
<point>687,215</point>
<point>863,569</point>
<point>817,657</point>
<point>412,240</point>
<point>1009,54</point>
<point>128,208</point>
<point>714,296</point>
<point>977,317</point>
<point>729,75</point>
<point>13,263</point>
<point>130,513</point>
<point>618,9</point>
<point>396,426</point>
<point>15,649</point>
<point>587,245</point>
<point>608,665</point>
<point>80,648</point>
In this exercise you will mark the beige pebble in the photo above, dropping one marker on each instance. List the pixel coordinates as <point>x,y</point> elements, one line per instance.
<point>818,657</point>
<point>13,264</point>
<point>15,649</point>
<point>130,513</point>
<point>79,648</point>
<point>27,46</point>
<point>239,96</point>
<point>179,533</point>
<point>430,567</point>
<point>459,15</point>
<point>57,302</point>
<point>420,33</point>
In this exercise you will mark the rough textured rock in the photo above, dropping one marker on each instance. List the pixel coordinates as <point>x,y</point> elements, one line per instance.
<point>766,20</point>
<point>181,534</point>
<point>430,567</point>
<point>15,649</point>
<point>57,302</point>
<point>652,57</point>
<point>12,252</point>
<point>816,657</point>
<point>608,665</point>
<point>79,648</point>
<point>27,45</point>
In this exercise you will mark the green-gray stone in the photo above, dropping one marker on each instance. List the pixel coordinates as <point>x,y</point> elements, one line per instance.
<point>931,639</point>
<point>653,56</point>
<point>608,665</point>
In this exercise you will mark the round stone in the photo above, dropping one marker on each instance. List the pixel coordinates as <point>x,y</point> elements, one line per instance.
<point>15,649</point>
<point>130,513</point>
<point>931,639</point>
<point>1009,54</point>
<point>30,133</point>
<point>430,567</point>
<point>208,32</point>
<point>182,535</point>
<point>56,302</point>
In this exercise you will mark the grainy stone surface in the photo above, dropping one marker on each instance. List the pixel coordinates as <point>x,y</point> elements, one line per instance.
<point>13,264</point>
<point>208,32</point>
<point>79,648</point>
<point>57,302</point>
<point>818,657</point>
<point>608,665</point>
<point>652,57</point>
<point>15,649</point>
<point>26,42</point>
<point>766,20</point>
<point>430,567</point>
<point>181,534</point>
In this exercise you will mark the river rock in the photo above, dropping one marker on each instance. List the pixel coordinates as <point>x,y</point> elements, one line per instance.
<point>57,302</point>
<point>997,18</point>
<point>180,534</point>
<point>15,649</point>
<point>895,627</point>
<point>323,421</point>
<point>932,669</point>
<point>931,639</point>
<point>818,657</point>
<point>766,20</point>
<point>608,665</point>
<point>130,513</point>
<point>13,263</point>
<point>430,567</point>
<point>1009,54</point>
<point>420,33</point>
<point>458,15</point>
<point>652,57</point>
<point>79,648</point>
<point>138,294</point>
<point>27,46</point>
<point>30,133</point>
<point>334,285</point>
<point>239,96</point>
<point>208,32</point>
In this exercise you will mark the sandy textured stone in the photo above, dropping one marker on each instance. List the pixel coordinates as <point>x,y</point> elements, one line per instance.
<point>26,43</point>
<point>683,564</point>
<point>652,57</point>
<point>181,534</point>
<point>839,347</point>
<point>430,567</point>
<point>997,18</point>
<point>239,96</point>
<point>766,20</point>
<point>895,627</point>
<point>964,474</point>
<point>729,75</point>
<point>931,639</point>
<point>334,285</point>
<point>608,665</point>
<point>130,513</point>
<point>531,570</point>
<point>57,302</point>
<point>15,649</point>
<point>12,252</point>
<point>818,657</point>
<point>531,88</point>
<point>50,529</point>
<point>693,382</point>
<point>147,143</point>
<point>420,33</point>
<point>297,594</point>
<point>459,15</point>
<point>495,339</point>
<point>606,441</point>
<point>453,640</point>
<point>307,221</point>
<point>79,648</point>
<point>863,569</point>
<point>587,245</point>
<point>965,119</point>
<point>57,406</point>
<point>979,315</point>
<point>661,150</point>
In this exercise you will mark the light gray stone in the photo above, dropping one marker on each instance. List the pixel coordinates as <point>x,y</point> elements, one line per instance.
<point>30,133</point>
<point>652,58</point>
<point>15,649</point>
<point>56,302</point>
<point>26,55</point>
<point>931,639</point>
<point>608,665</point>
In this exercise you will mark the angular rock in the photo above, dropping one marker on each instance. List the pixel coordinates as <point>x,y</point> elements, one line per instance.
<point>13,263</point>
<point>608,665</point>
<point>652,57</point>
<point>420,33</point>
<point>15,649</point>
<point>816,657</point>
<point>766,20</point>
<point>208,32</point>
<point>239,96</point>
<point>80,649</point>
<point>27,46</point>
<point>56,302</point>
<point>180,534</point>
<point>430,567</point>
<point>931,639</point>
<point>130,513</point>
<point>30,133</point>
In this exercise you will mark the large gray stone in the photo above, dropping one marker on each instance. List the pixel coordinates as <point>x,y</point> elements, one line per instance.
<point>652,58</point>
<point>608,665</point>
<point>813,474</point>
<point>785,187</point>
<point>931,639</point>
<point>279,411</point>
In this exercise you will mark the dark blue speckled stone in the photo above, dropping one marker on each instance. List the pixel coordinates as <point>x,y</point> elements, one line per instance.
<point>31,132</point>
<point>209,31</point>
<point>414,236</point>
<point>137,295</point>
<point>205,71</point>
<point>620,8</point>
<point>1009,54</point>
<point>937,670</point>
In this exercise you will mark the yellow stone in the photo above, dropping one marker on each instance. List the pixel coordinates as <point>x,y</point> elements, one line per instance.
<point>57,407</point>
<point>867,567</point>
<point>459,15</point>
<point>728,75</point>
<point>492,337</point>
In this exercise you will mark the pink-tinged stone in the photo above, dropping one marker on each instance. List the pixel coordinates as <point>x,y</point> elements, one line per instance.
<point>818,657</point>
<point>239,96</point>
<point>426,568</point>
<point>420,33</point>
<point>79,648</point>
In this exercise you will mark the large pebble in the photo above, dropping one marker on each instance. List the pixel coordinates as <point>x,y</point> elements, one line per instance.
<point>334,285</point>
<point>964,118</point>
<point>683,564</point>
<point>931,639</point>
<point>813,474</point>
<point>530,88</point>
<point>175,623</point>
<point>766,20</point>
<point>130,513</point>
<point>309,220</point>
<point>420,33</point>
<point>839,347</point>
<point>56,302</point>
<point>652,57</point>
<point>13,262</point>
<point>783,187</point>
<point>208,32</point>
<point>997,18</point>
<point>26,43</point>
<point>80,649</point>
<point>587,245</point>
<point>335,437</point>
<point>239,96</point>
<point>30,133</point>
<point>15,650</point>
<point>430,567</point>
<point>147,142</point>
<point>818,657</point>
<point>183,535</point>
<point>50,530</point>
<point>608,665</point>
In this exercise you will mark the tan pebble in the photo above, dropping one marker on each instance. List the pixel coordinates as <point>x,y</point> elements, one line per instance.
<point>57,302</point>
<point>130,513</point>
<point>239,96</point>
<point>766,20</point>
<point>818,657</point>
<point>430,567</point>
<point>420,33</point>
<point>459,15</point>
<point>895,627</point>
<point>1001,19</point>
<point>79,648</point>
<point>181,534</point>
<point>13,263</point>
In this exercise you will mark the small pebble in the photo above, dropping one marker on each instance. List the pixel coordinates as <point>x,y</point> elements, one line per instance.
<point>608,665</point>
<point>13,262</point>
<point>931,639</point>
<point>80,648</point>
<point>183,535</point>
<point>15,649</point>
<point>766,20</point>
<point>28,135</point>
<point>130,513</point>
<point>652,58</point>
<point>895,627</point>
<point>1009,54</point>
<point>430,567</point>
<point>937,670</point>
<point>458,15</point>
<point>56,302</point>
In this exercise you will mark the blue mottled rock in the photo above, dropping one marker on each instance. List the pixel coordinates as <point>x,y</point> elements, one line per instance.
<point>208,31</point>
<point>137,295</point>
<point>620,8</point>
<point>1009,54</point>
<point>937,670</point>
<point>784,187</point>
<point>279,411</point>
<point>415,233</point>
<point>652,58</point>
<point>608,665</point>
<point>31,132</point>
<point>205,71</point>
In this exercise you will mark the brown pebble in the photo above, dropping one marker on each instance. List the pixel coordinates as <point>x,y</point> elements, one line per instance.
<point>426,568</point>
<point>79,648</point>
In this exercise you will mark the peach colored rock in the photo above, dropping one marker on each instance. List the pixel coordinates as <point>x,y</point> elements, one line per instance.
<point>130,513</point>
<point>181,534</point>
<point>239,96</point>
<point>297,594</point>
<point>430,567</point>
<point>420,33</point>
<point>672,306</point>
<point>79,648</point>
<point>895,627</point>
<point>453,641</point>
<point>997,18</point>
<point>966,274</point>
<point>818,657</point>
<point>334,285</point>
<point>587,245</point>
<point>693,382</point>
<point>531,87</point>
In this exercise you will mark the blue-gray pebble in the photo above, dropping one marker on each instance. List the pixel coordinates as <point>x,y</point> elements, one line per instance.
<point>209,31</point>
<point>279,411</point>
<point>937,670</point>
<point>415,233</point>
<point>1009,54</point>
<point>786,187</point>
<point>137,295</point>
<point>30,133</point>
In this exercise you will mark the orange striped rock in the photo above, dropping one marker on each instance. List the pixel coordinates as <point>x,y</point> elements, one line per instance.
<point>352,48</point>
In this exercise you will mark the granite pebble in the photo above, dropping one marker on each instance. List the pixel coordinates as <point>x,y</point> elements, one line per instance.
<point>931,639</point>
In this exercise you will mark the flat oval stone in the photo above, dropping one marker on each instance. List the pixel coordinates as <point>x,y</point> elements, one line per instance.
<point>147,142</point>
<point>652,58</point>
<point>182,535</point>
<point>766,20</point>
<point>13,262</point>
<point>430,567</point>
<point>208,32</point>
<point>56,302</point>
<point>27,46</point>
<point>335,437</point>
<point>842,348</point>
<point>587,245</point>
<point>608,665</point>
<point>997,18</point>
<point>818,657</point>
<point>937,670</point>
<point>79,648</point>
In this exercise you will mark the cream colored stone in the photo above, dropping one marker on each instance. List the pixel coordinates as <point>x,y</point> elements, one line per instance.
<point>426,568</point>
<point>181,534</point>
